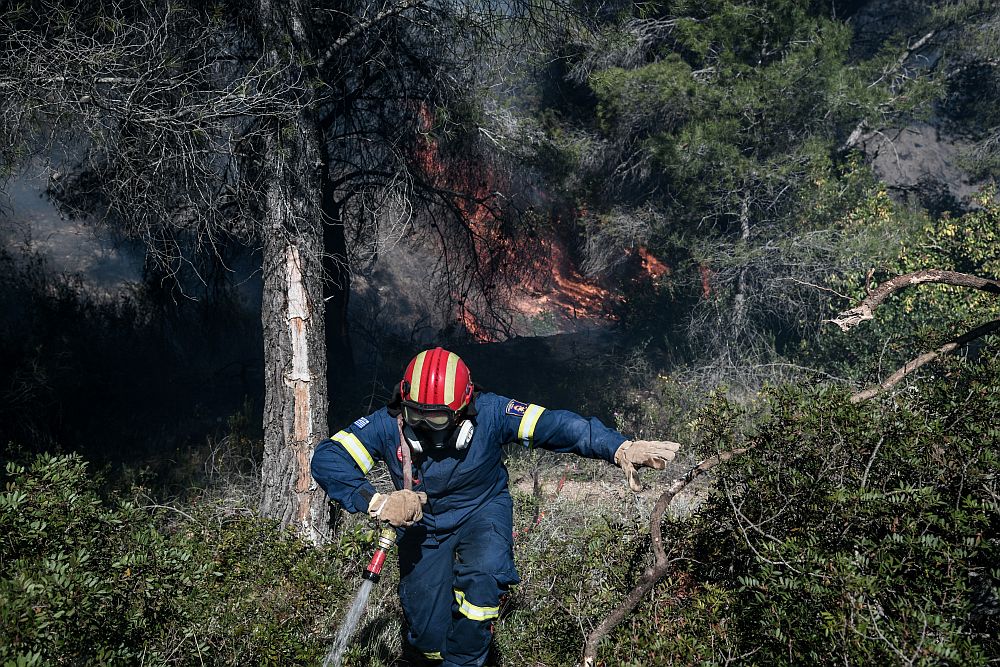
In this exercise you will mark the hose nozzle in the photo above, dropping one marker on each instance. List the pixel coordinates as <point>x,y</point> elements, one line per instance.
<point>386,539</point>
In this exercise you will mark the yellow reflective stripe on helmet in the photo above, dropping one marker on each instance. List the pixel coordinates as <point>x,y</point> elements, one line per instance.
<point>475,612</point>
<point>357,451</point>
<point>434,655</point>
<point>418,369</point>
<point>526,431</point>
<point>449,378</point>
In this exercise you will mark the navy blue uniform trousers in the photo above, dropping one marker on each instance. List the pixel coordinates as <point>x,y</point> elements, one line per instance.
<point>477,559</point>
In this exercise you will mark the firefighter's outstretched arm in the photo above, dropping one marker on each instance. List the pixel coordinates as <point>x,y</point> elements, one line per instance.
<point>565,431</point>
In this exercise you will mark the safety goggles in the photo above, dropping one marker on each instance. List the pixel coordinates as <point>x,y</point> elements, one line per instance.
<point>436,419</point>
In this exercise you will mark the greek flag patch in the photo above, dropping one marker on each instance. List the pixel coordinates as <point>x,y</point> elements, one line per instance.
<point>516,408</point>
<point>361,423</point>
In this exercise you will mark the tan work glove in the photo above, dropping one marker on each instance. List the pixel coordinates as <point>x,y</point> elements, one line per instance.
<point>399,508</point>
<point>650,453</point>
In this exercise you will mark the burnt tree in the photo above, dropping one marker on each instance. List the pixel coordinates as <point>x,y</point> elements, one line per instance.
<point>297,130</point>
<point>292,312</point>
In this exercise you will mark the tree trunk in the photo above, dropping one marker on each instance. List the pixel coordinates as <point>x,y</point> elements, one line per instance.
<point>295,392</point>
<point>337,291</point>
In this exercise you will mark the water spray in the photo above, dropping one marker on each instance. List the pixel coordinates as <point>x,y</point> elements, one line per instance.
<point>372,573</point>
<point>370,577</point>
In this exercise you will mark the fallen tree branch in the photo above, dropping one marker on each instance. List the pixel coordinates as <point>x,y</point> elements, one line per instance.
<point>845,320</point>
<point>661,565</point>
<point>865,310</point>
<point>916,363</point>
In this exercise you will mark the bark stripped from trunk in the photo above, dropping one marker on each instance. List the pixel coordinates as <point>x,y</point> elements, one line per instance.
<point>295,391</point>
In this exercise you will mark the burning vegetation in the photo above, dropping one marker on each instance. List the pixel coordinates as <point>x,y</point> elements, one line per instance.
<point>522,270</point>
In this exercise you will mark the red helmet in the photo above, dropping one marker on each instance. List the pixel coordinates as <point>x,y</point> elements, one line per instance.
<point>436,381</point>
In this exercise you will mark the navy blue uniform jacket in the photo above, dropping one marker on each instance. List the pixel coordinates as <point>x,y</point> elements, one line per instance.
<point>457,483</point>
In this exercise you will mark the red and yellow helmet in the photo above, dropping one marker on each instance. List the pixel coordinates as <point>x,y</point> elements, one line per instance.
<point>435,386</point>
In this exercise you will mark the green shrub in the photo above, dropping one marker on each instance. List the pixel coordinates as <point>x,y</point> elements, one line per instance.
<point>920,318</point>
<point>94,580</point>
<point>849,534</point>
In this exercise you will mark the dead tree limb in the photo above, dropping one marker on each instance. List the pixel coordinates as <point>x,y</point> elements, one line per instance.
<point>661,564</point>
<point>916,363</point>
<point>865,310</point>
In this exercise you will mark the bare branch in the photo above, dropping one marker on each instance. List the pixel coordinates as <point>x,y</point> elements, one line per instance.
<point>661,564</point>
<point>362,26</point>
<point>865,311</point>
<point>926,357</point>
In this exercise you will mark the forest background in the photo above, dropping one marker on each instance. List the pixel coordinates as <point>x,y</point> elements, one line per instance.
<point>649,212</point>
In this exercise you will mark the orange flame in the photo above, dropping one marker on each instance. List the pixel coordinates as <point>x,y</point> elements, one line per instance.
<point>651,266</point>
<point>554,282</point>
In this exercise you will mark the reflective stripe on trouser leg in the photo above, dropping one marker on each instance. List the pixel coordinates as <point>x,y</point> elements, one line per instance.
<point>468,642</point>
<point>425,575</point>
<point>473,611</point>
<point>484,569</point>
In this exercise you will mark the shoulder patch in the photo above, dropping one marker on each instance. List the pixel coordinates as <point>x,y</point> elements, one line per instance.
<point>361,423</point>
<point>516,408</point>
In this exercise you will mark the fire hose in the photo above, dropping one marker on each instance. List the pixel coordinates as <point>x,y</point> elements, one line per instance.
<point>372,573</point>
<point>387,538</point>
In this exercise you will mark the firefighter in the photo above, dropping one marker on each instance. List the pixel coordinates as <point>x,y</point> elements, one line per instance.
<point>452,506</point>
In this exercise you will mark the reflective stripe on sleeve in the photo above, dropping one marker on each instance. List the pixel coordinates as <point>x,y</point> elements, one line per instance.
<point>357,451</point>
<point>526,431</point>
<point>434,655</point>
<point>475,612</point>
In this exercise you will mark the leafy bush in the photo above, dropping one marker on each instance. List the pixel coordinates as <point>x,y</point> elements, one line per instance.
<point>849,534</point>
<point>104,580</point>
<point>852,534</point>
<point>918,318</point>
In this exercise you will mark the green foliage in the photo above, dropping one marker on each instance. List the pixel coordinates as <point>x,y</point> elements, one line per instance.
<point>735,93</point>
<point>104,580</point>
<point>661,92</point>
<point>714,134</point>
<point>969,244</point>
<point>859,534</point>
<point>848,534</point>
<point>924,317</point>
